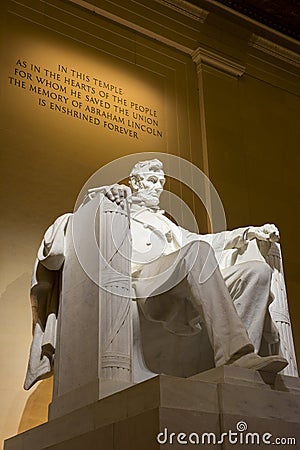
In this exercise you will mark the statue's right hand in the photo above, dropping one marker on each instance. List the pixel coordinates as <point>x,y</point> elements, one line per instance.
<point>115,193</point>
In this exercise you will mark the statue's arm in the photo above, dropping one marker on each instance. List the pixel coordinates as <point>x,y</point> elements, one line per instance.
<point>240,237</point>
<point>237,238</point>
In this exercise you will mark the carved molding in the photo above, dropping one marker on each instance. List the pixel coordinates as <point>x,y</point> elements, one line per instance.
<point>275,50</point>
<point>134,26</point>
<point>115,359</point>
<point>186,8</point>
<point>229,66</point>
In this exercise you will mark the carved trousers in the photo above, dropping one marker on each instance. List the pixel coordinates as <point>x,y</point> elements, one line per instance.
<point>232,304</point>
<point>249,286</point>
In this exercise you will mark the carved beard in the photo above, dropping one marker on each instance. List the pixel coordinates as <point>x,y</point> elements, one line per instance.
<point>147,197</point>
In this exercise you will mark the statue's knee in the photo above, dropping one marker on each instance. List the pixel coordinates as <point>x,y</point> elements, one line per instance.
<point>261,270</point>
<point>200,246</point>
<point>201,252</point>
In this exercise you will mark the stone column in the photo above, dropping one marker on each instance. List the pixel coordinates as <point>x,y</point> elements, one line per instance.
<point>212,64</point>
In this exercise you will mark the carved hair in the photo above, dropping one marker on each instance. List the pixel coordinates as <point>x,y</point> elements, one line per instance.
<point>151,165</point>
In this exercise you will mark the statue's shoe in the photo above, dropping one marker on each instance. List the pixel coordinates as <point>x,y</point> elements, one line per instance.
<point>274,363</point>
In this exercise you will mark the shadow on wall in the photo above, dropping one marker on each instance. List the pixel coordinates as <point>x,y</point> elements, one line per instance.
<point>36,408</point>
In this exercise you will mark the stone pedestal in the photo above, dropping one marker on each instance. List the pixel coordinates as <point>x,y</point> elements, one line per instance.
<point>247,405</point>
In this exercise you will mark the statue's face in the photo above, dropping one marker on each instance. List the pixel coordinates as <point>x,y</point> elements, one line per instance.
<point>149,187</point>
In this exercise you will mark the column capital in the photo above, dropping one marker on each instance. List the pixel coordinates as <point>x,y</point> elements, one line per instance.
<point>220,62</point>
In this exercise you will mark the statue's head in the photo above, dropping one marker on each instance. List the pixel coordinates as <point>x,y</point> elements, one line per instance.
<point>147,179</point>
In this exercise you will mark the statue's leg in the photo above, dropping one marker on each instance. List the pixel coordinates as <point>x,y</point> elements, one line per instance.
<point>206,288</point>
<point>249,286</point>
<point>212,299</point>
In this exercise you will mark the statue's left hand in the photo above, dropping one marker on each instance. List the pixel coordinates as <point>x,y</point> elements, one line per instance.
<point>267,232</point>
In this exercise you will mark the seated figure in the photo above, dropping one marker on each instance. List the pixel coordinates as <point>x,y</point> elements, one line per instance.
<point>177,279</point>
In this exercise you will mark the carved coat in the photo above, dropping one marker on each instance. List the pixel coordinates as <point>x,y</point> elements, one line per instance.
<point>44,294</point>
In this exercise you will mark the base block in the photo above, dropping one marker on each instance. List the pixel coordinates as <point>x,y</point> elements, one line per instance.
<point>255,409</point>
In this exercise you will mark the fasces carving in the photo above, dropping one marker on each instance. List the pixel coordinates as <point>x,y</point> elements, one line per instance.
<point>116,293</point>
